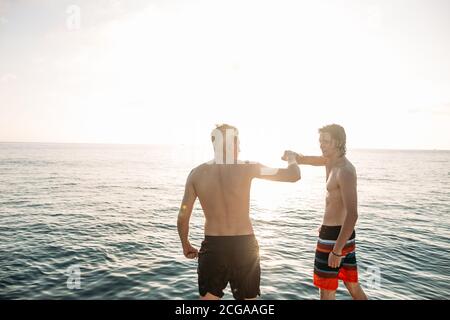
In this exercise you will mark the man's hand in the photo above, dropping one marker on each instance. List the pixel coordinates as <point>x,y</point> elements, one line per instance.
<point>289,155</point>
<point>334,261</point>
<point>189,251</point>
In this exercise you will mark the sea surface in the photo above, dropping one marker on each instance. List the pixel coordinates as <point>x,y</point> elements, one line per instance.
<point>90,221</point>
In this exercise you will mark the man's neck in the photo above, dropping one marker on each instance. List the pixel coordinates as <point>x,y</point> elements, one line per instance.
<point>335,159</point>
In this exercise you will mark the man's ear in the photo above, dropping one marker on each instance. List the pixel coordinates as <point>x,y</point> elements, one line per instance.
<point>337,144</point>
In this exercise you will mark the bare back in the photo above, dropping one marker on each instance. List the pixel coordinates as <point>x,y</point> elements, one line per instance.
<point>224,194</point>
<point>334,206</point>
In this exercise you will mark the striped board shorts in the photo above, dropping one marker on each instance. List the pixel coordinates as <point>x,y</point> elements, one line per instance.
<point>325,277</point>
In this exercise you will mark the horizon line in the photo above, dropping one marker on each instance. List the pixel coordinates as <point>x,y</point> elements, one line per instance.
<point>187,144</point>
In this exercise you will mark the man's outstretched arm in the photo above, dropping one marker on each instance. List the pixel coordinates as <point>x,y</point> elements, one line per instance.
<point>184,217</point>
<point>289,174</point>
<point>311,160</point>
<point>308,160</point>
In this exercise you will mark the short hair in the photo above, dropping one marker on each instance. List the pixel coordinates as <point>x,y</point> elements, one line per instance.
<point>337,133</point>
<point>223,129</point>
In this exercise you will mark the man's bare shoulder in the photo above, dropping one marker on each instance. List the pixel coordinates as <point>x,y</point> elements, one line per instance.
<point>253,168</point>
<point>195,175</point>
<point>349,166</point>
<point>199,169</point>
<point>346,171</point>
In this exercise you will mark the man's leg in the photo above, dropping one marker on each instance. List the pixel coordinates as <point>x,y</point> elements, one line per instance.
<point>327,294</point>
<point>355,290</point>
<point>209,296</point>
<point>211,275</point>
<point>246,269</point>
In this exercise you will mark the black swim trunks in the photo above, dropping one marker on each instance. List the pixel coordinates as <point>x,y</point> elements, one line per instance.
<point>233,259</point>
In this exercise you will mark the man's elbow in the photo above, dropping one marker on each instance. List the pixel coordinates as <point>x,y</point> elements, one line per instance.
<point>295,177</point>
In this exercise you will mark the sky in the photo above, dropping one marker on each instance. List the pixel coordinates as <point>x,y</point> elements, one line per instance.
<point>165,72</point>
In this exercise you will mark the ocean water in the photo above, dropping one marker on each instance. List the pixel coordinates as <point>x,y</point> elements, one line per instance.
<point>111,210</point>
